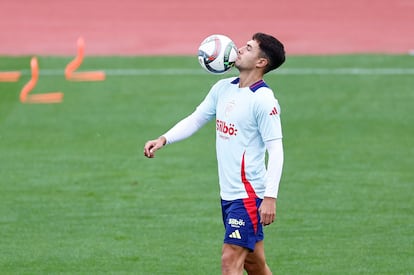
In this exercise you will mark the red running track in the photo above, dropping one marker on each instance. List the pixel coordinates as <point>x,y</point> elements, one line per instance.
<point>141,27</point>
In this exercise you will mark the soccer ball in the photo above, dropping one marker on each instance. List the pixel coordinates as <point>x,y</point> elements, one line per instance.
<point>217,54</point>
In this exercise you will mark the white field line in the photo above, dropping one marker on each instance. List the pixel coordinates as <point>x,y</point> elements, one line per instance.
<point>288,71</point>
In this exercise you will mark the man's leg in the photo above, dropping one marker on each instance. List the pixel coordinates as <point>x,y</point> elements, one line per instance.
<point>233,259</point>
<point>255,262</point>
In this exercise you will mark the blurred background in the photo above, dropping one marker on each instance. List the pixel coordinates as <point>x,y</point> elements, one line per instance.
<point>128,27</point>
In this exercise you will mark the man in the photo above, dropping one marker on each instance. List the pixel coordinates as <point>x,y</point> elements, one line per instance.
<point>247,125</point>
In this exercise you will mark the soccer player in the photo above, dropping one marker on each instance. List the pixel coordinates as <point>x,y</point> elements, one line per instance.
<point>247,125</point>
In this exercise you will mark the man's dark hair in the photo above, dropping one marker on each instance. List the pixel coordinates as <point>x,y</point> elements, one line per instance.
<point>272,49</point>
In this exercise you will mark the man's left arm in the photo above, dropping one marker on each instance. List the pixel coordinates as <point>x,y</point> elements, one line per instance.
<point>267,209</point>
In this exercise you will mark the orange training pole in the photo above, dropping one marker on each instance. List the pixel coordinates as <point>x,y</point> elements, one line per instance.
<point>32,82</point>
<point>55,97</point>
<point>9,76</point>
<point>70,70</point>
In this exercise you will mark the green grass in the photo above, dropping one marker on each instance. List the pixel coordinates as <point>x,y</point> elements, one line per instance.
<point>78,197</point>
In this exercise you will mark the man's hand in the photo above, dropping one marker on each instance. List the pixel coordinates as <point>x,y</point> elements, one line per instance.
<point>153,145</point>
<point>267,211</point>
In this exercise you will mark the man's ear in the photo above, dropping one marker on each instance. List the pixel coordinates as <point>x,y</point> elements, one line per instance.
<point>262,62</point>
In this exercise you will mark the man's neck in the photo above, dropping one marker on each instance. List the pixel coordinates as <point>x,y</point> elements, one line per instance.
<point>248,78</point>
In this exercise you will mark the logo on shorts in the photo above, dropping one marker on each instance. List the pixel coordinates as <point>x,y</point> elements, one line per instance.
<point>236,223</point>
<point>235,235</point>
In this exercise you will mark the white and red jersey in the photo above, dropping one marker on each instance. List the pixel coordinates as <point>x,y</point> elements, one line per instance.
<point>246,118</point>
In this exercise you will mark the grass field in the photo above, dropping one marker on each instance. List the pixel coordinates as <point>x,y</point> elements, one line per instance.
<point>77,195</point>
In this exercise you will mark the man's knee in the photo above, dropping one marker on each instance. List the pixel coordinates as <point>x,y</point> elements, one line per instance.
<point>255,262</point>
<point>251,267</point>
<point>254,266</point>
<point>232,259</point>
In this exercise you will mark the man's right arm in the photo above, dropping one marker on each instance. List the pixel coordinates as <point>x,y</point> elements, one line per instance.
<point>182,130</point>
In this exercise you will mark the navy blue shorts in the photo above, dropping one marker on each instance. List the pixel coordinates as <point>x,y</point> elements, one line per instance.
<point>242,222</point>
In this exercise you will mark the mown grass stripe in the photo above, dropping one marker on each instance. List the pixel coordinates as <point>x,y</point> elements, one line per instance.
<point>287,71</point>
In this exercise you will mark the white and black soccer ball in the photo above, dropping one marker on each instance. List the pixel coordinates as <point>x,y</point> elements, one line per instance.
<point>217,54</point>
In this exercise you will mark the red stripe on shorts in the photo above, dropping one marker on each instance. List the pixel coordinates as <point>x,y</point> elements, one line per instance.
<point>250,202</point>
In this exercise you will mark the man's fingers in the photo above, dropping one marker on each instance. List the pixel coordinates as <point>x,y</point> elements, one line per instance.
<point>153,149</point>
<point>149,149</point>
<point>152,146</point>
<point>267,219</point>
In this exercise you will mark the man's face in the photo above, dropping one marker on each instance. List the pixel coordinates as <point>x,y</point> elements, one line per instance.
<point>248,56</point>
